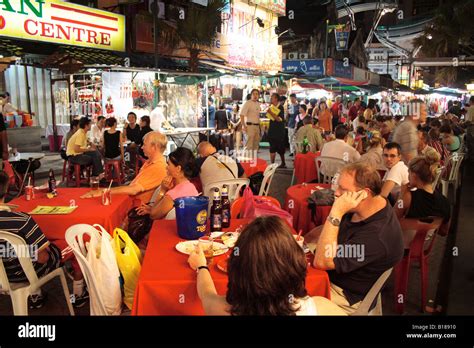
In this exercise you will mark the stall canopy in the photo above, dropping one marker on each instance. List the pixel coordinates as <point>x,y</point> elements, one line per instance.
<point>452,92</point>
<point>372,89</point>
<point>326,84</point>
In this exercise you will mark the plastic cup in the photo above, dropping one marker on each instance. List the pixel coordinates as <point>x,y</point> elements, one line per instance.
<point>106,197</point>
<point>299,240</point>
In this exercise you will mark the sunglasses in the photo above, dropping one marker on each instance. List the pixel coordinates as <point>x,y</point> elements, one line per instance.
<point>386,155</point>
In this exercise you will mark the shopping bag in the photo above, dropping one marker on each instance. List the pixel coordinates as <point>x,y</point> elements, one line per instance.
<point>129,260</point>
<point>253,207</point>
<point>103,264</point>
<point>247,210</point>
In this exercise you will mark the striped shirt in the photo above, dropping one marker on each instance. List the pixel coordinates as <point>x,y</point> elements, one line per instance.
<point>24,226</point>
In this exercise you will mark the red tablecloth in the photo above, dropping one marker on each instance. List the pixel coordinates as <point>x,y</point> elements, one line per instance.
<point>252,167</point>
<point>167,285</point>
<point>297,204</point>
<point>305,167</point>
<point>89,211</point>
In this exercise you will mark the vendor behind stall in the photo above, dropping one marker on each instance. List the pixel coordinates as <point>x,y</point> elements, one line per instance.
<point>5,104</point>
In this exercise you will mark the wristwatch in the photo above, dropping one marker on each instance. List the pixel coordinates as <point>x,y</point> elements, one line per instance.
<point>201,267</point>
<point>334,221</point>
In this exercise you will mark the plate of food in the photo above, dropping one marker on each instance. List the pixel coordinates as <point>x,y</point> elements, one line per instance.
<point>188,247</point>
<point>228,238</point>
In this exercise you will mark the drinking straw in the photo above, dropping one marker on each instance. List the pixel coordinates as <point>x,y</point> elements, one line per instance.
<point>299,235</point>
<point>29,180</point>
<point>110,185</point>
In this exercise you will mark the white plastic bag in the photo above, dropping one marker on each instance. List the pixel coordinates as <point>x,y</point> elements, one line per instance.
<point>103,263</point>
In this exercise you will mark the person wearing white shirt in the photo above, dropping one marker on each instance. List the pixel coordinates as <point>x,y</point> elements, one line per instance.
<point>250,120</point>
<point>97,131</point>
<point>396,179</point>
<point>339,149</point>
<point>470,110</point>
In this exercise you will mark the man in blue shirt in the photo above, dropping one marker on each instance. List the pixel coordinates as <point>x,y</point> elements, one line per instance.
<point>293,110</point>
<point>212,114</point>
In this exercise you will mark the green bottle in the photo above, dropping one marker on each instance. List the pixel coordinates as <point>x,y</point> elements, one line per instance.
<point>305,144</point>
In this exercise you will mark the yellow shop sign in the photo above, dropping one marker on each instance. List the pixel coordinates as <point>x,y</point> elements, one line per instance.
<point>63,23</point>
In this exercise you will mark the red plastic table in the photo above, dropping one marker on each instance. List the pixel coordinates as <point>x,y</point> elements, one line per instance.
<point>167,285</point>
<point>297,204</point>
<point>89,211</point>
<point>305,167</point>
<point>253,166</point>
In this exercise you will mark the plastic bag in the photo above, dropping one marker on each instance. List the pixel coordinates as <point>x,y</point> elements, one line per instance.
<point>129,261</point>
<point>254,207</point>
<point>103,264</point>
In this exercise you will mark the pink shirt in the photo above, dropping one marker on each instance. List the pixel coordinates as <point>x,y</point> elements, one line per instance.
<point>184,189</point>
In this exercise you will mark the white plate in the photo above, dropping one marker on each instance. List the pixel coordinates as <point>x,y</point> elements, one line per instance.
<point>188,247</point>
<point>228,238</point>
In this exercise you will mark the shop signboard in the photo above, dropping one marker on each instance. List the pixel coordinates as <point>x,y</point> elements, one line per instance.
<point>310,67</point>
<point>276,6</point>
<point>61,22</point>
<point>342,70</point>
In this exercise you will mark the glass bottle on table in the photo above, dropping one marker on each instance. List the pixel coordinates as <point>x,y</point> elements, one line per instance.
<point>52,183</point>
<point>225,207</point>
<point>305,145</point>
<point>216,212</point>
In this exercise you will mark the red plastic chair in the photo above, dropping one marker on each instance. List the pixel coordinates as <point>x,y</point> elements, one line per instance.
<point>74,175</point>
<point>114,166</point>
<point>237,205</point>
<point>418,252</point>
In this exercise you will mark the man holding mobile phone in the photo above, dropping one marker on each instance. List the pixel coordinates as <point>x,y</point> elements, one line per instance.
<point>361,238</point>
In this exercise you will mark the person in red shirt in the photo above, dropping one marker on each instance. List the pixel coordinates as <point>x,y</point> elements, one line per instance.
<point>354,110</point>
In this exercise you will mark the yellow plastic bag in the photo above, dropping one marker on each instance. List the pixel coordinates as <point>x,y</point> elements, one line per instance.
<point>129,259</point>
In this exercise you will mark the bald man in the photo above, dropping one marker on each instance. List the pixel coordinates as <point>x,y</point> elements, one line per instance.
<point>151,174</point>
<point>213,166</point>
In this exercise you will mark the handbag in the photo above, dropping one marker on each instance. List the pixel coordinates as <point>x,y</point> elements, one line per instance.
<point>138,225</point>
<point>320,197</point>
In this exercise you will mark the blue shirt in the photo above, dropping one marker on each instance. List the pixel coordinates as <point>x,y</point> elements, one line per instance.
<point>212,112</point>
<point>293,111</point>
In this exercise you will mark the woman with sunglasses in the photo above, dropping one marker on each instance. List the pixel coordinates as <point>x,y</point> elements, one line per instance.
<point>181,164</point>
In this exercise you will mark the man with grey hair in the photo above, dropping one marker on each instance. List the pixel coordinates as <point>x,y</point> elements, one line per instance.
<point>151,174</point>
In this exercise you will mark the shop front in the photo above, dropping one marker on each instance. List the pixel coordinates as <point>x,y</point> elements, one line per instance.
<point>42,39</point>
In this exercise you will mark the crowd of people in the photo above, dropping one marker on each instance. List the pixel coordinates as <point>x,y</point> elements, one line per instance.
<point>365,212</point>
<point>314,121</point>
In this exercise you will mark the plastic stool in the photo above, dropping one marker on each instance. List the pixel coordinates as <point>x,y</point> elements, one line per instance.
<point>114,167</point>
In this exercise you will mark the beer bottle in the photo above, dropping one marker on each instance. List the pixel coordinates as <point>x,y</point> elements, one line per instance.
<point>305,144</point>
<point>52,183</point>
<point>225,207</point>
<point>216,212</point>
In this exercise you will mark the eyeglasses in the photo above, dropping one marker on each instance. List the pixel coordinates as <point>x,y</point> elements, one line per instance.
<point>386,155</point>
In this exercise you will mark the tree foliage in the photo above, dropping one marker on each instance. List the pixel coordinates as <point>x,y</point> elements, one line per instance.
<point>450,34</point>
<point>194,26</point>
